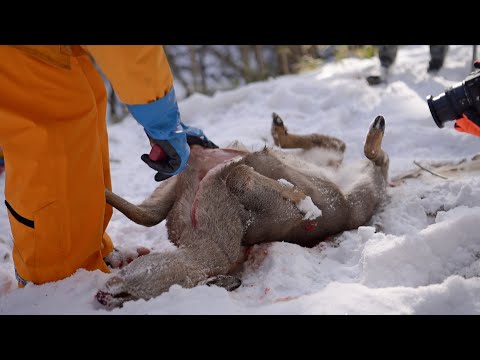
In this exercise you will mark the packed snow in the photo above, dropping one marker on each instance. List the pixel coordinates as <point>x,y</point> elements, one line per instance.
<point>420,254</point>
<point>286,183</point>
<point>306,206</point>
<point>310,210</point>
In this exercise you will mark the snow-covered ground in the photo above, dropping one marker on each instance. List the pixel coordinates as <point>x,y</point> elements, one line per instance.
<point>426,260</point>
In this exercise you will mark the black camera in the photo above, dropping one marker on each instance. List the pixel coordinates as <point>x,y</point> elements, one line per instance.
<point>456,99</point>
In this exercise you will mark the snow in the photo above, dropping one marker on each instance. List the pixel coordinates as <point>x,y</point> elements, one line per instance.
<point>306,206</point>
<point>310,210</point>
<point>286,183</point>
<point>425,260</point>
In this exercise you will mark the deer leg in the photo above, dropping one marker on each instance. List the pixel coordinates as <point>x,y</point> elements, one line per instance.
<point>252,187</point>
<point>280,211</point>
<point>370,189</point>
<point>373,145</point>
<point>285,140</point>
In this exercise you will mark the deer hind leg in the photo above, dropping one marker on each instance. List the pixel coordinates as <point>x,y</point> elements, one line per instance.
<point>277,208</point>
<point>255,189</point>
<point>284,139</point>
<point>153,210</point>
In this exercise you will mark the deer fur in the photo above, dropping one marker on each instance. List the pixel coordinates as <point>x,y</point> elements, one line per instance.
<point>229,198</point>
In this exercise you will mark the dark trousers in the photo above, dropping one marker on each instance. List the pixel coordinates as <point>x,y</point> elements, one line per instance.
<point>388,53</point>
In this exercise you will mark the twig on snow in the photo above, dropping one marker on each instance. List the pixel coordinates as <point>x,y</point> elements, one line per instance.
<point>430,171</point>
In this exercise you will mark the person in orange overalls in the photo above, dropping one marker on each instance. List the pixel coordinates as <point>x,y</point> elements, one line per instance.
<point>54,138</point>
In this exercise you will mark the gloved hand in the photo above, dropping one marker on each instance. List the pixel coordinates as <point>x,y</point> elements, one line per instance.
<point>196,136</point>
<point>175,151</point>
<point>469,122</point>
<point>161,121</point>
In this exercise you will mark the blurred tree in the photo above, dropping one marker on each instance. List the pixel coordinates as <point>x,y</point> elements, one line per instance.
<point>208,68</point>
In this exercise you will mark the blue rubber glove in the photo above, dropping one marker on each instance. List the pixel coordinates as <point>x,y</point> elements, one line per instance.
<point>161,121</point>
<point>196,136</point>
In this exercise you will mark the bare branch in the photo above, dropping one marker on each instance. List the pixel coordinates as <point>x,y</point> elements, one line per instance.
<point>430,171</point>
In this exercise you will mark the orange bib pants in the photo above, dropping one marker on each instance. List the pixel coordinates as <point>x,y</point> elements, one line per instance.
<point>54,138</point>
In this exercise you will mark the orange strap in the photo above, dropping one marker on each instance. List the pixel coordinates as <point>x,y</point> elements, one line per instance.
<point>465,125</point>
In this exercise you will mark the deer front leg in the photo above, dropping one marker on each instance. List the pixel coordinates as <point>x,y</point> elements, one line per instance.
<point>284,139</point>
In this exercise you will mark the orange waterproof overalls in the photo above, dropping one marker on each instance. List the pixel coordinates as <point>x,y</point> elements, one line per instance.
<point>54,138</point>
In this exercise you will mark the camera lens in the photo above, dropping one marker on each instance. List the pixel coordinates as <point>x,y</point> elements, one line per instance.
<point>440,109</point>
<point>455,100</point>
<point>450,105</point>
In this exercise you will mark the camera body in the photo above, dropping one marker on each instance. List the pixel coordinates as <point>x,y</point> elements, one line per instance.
<point>451,104</point>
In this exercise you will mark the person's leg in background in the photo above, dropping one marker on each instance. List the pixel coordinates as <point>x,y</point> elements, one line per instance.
<point>437,57</point>
<point>53,135</point>
<point>118,109</point>
<point>387,55</point>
